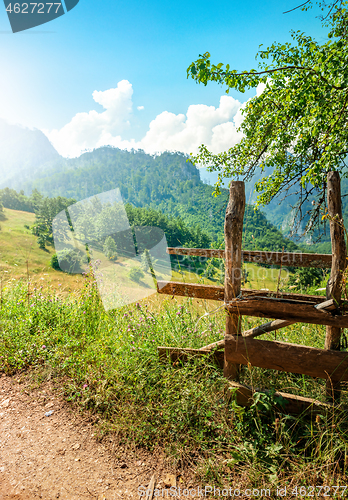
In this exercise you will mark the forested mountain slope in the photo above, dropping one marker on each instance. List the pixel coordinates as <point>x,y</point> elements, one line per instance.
<point>167,182</point>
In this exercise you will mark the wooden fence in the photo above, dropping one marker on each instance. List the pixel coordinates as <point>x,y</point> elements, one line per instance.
<point>242,348</point>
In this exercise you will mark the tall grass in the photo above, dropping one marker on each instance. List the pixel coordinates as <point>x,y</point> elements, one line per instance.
<point>109,364</point>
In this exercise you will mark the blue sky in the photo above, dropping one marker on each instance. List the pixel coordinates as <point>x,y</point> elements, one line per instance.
<point>49,73</point>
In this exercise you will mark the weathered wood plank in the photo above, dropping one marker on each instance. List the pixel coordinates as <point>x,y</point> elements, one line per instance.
<point>289,310</point>
<point>339,262</point>
<point>271,326</point>
<point>219,344</point>
<point>195,290</point>
<point>211,292</point>
<point>293,404</point>
<point>287,258</point>
<point>182,354</point>
<point>233,264</point>
<point>286,357</point>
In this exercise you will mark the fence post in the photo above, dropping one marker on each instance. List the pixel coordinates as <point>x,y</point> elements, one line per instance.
<point>339,261</point>
<point>233,264</point>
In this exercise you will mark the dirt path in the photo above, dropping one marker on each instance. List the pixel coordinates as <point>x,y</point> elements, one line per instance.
<point>57,456</point>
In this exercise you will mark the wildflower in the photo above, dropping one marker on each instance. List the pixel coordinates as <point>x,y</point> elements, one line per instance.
<point>43,347</point>
<point>85,385</point>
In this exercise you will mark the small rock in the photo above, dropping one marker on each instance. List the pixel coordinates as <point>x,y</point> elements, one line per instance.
<point>2,469</point>
<point>124,466</point>
<point>49,413</point>
<point>5,403</point>
<point>170,480</point>
<point>49,405</point>
<point>77,459</point>
<point>76,446</point>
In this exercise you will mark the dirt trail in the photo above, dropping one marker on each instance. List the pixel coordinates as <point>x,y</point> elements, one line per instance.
<point>57,456</point>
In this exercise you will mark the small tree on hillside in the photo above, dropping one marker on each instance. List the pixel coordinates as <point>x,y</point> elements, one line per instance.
<point>110,248</point>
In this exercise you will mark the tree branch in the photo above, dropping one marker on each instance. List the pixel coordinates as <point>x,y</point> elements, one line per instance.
<point>282,68</point>
<point>295,8</point>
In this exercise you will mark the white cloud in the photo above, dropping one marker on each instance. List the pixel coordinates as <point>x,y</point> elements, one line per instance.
<point>216,127</point>
<point>85,130</point>
<point>202,124</point>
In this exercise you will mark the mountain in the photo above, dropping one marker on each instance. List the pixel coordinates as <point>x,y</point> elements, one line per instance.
<point>168,182</point>
<point>23,153</point>
<point>280,210</point>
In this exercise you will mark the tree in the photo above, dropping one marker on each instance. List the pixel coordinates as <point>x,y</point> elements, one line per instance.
<point>45,212</point>
<point>298,124</point>
<point>110,248</point>
<point>135,274</point>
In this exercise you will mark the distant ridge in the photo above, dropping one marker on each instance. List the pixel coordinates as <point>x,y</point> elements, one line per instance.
<point>23,153</point>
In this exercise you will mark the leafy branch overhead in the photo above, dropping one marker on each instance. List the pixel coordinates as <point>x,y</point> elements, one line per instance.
<point>297,125</point>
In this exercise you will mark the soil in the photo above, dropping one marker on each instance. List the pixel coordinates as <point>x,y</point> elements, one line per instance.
<point>49,450</point>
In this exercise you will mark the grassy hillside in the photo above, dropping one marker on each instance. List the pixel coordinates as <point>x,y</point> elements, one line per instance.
<point>20,255</point>
<point>19,249</point>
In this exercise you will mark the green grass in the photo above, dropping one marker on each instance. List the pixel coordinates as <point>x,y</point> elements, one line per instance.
<point>109,365</point>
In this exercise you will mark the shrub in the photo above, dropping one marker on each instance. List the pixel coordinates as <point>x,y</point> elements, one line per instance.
<point>54,262</point>
<point>69,260</point>
<point>306,277</point>
<point>135,274</point>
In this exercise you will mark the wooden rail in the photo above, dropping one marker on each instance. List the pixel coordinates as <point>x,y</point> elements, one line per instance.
<point>287,309</point>
<point>286,357</point>
<point>286,259</point>
<point>271,326</point>
<point>243,395</point>
<point>211,292</point>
